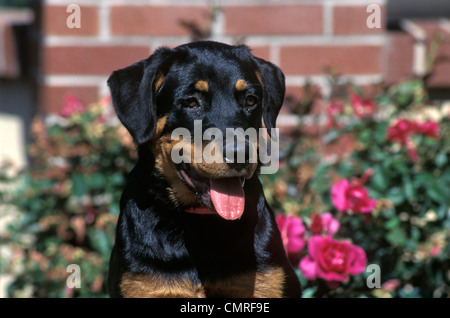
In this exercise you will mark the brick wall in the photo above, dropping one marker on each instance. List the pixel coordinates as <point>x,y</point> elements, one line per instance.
<point>303,37</point>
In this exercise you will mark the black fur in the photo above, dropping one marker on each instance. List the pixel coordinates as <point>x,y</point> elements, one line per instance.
<point>155,235</point>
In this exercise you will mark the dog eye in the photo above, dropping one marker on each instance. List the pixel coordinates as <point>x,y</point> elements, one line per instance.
<point>191,102</point>
<point>251,101</point>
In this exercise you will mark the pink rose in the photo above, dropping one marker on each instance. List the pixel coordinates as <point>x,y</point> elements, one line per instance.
<point>324,223</point>
<point>292,233</point>
<point>332,260</point>
<point>429,129</point>
<point>71,105</point>
<point>347,196</point>
<point>401,130</point>
<point>391,285</point>
<point>335,108</point>
<point>362,107</point>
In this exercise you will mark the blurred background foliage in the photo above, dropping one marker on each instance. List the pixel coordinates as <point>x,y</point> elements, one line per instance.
<point>68,199</point>
<point>408,231</point>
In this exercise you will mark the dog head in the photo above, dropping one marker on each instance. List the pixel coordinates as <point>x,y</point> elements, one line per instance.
<point>196,108</point>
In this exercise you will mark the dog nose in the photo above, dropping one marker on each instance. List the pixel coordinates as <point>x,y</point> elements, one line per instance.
<point>237,154</point>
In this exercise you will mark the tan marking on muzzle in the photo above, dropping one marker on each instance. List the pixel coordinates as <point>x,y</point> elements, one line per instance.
<point>180,194</point>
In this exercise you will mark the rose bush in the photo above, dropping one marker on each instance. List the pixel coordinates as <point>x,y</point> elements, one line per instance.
<point>403,129</point>
<point>379,164</point>
<point>68,202</point>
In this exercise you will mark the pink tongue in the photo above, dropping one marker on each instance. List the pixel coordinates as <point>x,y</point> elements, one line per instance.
<point>228,197</point>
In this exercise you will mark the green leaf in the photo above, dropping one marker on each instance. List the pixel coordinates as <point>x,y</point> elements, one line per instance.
<point>395,195</point>
<point>54,130</point>
<point>97,181</point>
<point>117,179</point>
<point>379,179</point>
<point>330,136</point>
<point>392,223</point>
<point>100,241</point>
<point>365,137</point>
<point>436,193</point>
<point>425,179</point>
<point>397,236</point>
<point>441,159</point>
<point>78,185</point>
<point>408,187</point>
<point>114,209</point>
<point>415,234</point>
<point>309,292</point>
<point>345,169</point>
<point>400,166</point>
<point>380,132</point>
<point>442,211</point>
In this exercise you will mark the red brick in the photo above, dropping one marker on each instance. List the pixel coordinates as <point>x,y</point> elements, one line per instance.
<point>274,19</point>
<point>91,60</point>
<point>353,20</point>
<point>261,52</point>
<point>51,98</point>
<point>310,60</point>
<point>156,20</point>
<point>55,21</point>
<point>399,57</point>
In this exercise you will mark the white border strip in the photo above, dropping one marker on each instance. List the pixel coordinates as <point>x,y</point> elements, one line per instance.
<point>75,80</point>
<point>276,41</point>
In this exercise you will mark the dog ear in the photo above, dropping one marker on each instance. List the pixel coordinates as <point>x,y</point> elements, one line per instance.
<point>274,89</point>
<point>133,91</point>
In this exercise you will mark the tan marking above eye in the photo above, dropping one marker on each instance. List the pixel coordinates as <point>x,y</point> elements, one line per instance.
<point>259,76</point>
<point>202,86</point>
<point>240,85</point>
<point>159,81</point>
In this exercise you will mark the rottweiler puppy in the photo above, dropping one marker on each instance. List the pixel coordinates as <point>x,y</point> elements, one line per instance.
<point>197,227</point>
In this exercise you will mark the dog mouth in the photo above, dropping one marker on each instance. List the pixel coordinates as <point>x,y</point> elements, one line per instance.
<point>224,195</point>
